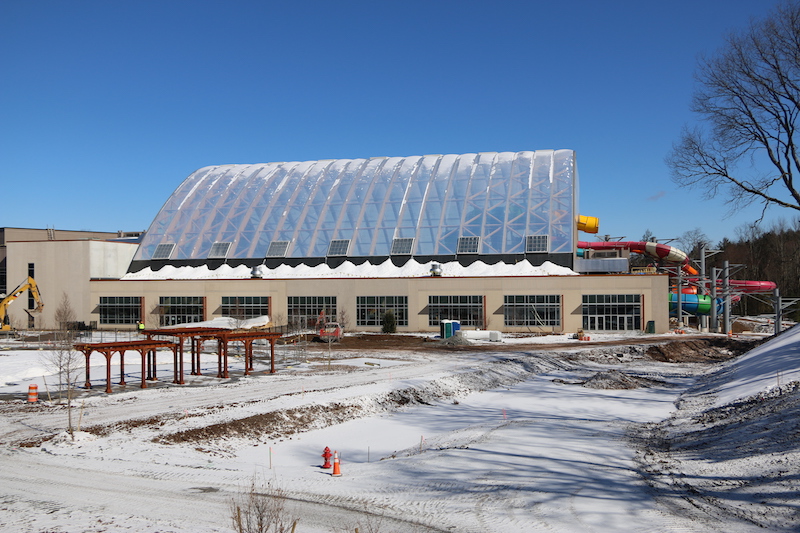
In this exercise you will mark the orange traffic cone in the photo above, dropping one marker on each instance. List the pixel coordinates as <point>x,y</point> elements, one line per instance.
<point>337,471</point>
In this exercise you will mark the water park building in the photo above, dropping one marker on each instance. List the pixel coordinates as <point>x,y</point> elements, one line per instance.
<point>489,239</point>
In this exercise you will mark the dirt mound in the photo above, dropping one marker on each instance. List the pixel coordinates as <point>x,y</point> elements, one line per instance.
<point>614,379</point>
<point>455,340</point>
<point>381,342</point>
<point>700,350</point>
<point>269,426</point>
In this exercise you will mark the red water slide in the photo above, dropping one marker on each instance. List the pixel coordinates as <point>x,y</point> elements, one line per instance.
<point>743,286</point>
<point>674,255</point>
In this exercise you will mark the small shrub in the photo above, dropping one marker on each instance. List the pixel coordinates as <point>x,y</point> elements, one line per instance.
<point>261,509</point>
<point>389,322</point>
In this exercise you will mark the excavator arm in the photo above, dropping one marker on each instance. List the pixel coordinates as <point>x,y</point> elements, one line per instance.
<point>27,285</point>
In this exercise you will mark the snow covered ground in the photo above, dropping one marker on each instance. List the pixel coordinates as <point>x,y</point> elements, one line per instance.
<point>462,440</point>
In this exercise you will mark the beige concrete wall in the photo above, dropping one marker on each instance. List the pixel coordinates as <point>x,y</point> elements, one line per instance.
<point>62,268</point>
<point>110,260</point>
<point>652,288</point>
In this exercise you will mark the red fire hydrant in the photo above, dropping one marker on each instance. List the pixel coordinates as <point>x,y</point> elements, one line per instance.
<point>327,456</point>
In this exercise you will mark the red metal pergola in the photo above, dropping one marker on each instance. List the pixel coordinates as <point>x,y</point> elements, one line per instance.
<point>146,349</point>
<point>197,337</point>
<point>223,337</point>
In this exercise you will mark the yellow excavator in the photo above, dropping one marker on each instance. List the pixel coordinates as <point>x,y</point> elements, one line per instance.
<point>27,285</point>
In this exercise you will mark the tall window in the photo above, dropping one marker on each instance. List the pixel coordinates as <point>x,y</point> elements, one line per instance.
<point>466,309</point>
<point>120,309</point>
<point>244,307</point>
<point>370,309</point>
<point>305,311</point>
<point>532,310</point>
<point>3,288</point>
<point>31,299</point>
<point>181,309</point>
<point>612,312</point>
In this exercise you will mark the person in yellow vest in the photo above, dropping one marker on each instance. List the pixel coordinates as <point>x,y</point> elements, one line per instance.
<point>140,326</point>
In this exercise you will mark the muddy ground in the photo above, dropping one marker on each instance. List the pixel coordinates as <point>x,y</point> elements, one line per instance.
<point>682,349</point>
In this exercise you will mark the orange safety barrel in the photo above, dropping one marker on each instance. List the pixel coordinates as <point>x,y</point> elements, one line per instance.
<point>33,393</point>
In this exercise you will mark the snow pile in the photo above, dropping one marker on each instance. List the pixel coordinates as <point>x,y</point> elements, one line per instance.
<point>226,322</point>
<point>775,362</point>
<point>729,453</point>
<point>411,269</point>
<point>66,439</point>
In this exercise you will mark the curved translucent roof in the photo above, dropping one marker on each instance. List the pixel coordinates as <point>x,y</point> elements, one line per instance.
<point>486,203</point>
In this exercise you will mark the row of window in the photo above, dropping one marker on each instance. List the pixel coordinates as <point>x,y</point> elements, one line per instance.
<point>600,311</point>
<point>340,247</point>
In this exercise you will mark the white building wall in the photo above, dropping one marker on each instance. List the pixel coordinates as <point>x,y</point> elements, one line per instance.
<point>62,268</point>
<point>653,290</point>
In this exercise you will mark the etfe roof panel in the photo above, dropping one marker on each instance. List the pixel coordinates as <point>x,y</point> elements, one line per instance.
<point>499,197</point>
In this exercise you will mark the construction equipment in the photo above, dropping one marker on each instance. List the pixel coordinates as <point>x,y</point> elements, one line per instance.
<point>27,285</point>
<point>330,332</point>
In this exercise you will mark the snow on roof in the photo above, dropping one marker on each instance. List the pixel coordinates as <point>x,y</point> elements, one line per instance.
<point>411,269</point>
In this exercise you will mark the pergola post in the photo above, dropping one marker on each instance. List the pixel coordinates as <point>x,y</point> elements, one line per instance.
<point>219,357</point>
<point>108,370</point>
<point>87,353</point>
<point>144,354</point>
<point>225,358</point>
<point>151,365</point>
<point>197,347</point>
<point>248,356</point>
<point>179,355</point>
<point>121,367</point>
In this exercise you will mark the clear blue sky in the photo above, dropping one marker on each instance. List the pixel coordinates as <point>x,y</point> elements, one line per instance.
<point>105,107</point>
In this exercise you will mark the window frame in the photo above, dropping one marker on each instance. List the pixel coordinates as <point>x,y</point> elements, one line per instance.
<point>370,309</point>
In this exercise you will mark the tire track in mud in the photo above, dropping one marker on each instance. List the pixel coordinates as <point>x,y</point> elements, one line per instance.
<point>351,511</point>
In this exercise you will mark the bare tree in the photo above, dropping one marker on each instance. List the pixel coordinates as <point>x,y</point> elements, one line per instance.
<point>67,363</point>
<point>64,313</point>
<point>640,260</point>
<point>279,321</point>
<point>749,100</point>
<point>343,318</point>
<point>693,240</point>
<point>237,314</point>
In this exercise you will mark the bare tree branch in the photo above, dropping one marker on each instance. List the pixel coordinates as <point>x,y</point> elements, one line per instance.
<point>749,102</point>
